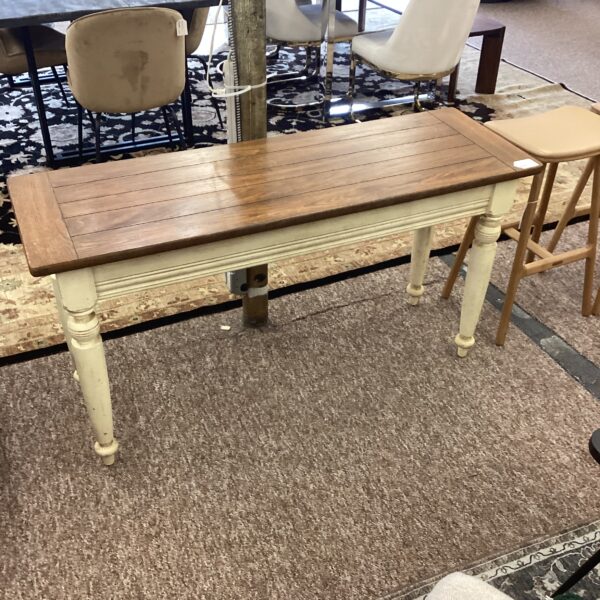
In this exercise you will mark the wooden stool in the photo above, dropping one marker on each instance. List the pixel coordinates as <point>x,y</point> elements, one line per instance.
<point>561,135</point>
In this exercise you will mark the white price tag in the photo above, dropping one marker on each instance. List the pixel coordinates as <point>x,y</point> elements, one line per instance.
<point>526,163</point>
<point>182,27</point>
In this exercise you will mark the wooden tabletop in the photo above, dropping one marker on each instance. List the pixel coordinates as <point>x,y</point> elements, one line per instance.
<point>96,214</point>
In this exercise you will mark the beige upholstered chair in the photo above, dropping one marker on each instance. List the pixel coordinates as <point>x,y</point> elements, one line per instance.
<point>48,46</point>
<point>426,45</point>
<point>196,29</point>
<point>126,61</point>
<point>561,135</point>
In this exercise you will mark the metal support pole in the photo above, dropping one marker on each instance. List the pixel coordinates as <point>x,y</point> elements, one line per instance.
<point>249,37</point>
<point>255,301</point>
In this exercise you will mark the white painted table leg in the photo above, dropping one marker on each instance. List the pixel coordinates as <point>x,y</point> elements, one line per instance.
<point>418,263</point>
<point>487,232</point>
<point>481,260</point>
<point>62,316</point>
<point>78,292</point>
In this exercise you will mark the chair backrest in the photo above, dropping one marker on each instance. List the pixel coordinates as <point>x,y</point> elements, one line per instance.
<point>285,21</point>
<point>126,60</point>
<point>196,30</point>
<point>431,35</point>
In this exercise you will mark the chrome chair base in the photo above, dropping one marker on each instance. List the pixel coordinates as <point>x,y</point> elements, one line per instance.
<point>431,96</point>
<point>309,72</point>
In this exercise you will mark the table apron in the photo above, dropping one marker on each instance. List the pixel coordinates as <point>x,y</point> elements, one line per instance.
<point>124,277</point>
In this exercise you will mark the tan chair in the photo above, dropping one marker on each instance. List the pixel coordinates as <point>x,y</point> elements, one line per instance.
<point>196,29</point>
<point>126,61</point>
<point>565,134</point>
<point>48,47</point>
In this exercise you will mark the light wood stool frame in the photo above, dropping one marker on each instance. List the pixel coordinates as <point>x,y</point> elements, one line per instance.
<point>528,248</point>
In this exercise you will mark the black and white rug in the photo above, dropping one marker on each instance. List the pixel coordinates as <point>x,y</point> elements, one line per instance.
<point>536,571</point>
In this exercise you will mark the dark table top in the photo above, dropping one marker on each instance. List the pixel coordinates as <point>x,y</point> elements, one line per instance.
<point>21,13</point>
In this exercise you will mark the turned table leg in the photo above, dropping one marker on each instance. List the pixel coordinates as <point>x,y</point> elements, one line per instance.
<point>487,232</point>
<point>76,296</point>
<point>418,263</point>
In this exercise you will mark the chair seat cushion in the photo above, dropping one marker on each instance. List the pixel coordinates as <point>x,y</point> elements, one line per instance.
<point>48,44</point>
<point>566,133</point>
<point>370,47</point>
<point>459,586</point>
<point>309,29</point>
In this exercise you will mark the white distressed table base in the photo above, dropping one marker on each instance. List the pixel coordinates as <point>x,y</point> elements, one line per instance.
<point>77,292</point>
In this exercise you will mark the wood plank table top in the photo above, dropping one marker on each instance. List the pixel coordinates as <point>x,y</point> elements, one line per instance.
<point>98,214</point>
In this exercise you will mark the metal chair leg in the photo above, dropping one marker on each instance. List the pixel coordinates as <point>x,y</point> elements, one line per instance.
<point>173,119</point>
<point>97,124</point>
<point>273,53</point>
<point>417,106</point>
<point>581,572</point>
<point>167,124</point>
<point>352,77</point>
<point>60,85</point>
<point>80,129</point>
<point>213,100</point>
<point>133,128</point>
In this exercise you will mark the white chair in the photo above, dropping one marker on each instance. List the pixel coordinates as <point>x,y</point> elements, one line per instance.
<point>299,25</point>
<point>459,586</point>
<point>426,45</point>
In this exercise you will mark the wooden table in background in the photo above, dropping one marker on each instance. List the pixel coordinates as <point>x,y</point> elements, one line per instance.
<point>109,229</point>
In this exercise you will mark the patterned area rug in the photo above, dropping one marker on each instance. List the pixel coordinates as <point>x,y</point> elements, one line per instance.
<point>536,571</point>
<point>26,303</point>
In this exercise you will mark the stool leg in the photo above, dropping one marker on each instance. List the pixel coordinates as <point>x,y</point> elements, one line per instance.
<point>460,257</point>
<point>570,208</point>
<point>590,262</point>
<point>517,269</point>
<point>538,222</point>
<point>418,263</point>
<point>596,309</point>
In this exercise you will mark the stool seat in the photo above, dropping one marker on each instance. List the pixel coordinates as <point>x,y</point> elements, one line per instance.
<point>563,134</point>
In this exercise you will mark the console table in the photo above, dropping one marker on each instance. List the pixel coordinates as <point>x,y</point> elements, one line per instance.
<point>108,229</point>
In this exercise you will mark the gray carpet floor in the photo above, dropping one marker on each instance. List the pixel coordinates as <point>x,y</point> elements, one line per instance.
<point>343,452</point>
<point>556,38</point>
